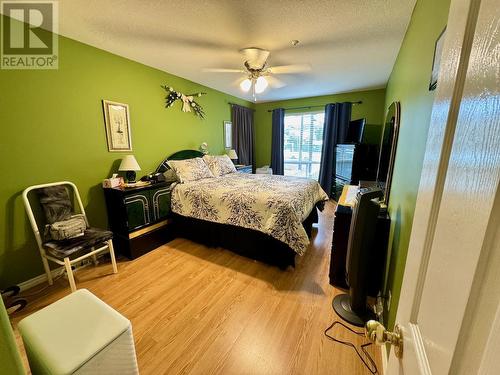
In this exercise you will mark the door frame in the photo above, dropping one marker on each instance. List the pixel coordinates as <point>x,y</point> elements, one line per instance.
<point>476,331</point>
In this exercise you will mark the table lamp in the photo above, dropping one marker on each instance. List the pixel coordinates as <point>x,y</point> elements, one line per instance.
<point>204,148</point>
<point>232,155</point>
<point>130,165</point>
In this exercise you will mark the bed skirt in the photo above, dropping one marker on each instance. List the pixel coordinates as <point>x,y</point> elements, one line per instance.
<point>243,241</point>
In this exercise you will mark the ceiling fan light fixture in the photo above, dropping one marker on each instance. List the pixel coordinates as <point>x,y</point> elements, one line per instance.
<point>245,85</point>
<point>260,85</point>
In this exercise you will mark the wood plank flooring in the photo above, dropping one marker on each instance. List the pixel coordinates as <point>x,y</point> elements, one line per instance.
<point>200,310</point>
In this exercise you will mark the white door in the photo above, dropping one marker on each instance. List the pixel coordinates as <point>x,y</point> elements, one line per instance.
<point>449,307</point>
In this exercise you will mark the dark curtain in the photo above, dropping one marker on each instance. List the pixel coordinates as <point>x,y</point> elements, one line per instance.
<point>243,133</point>
<point>337,117</point>
<point>277,141</point>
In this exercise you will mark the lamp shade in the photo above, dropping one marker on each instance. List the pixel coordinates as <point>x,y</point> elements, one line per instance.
<point>129,164</point>
<point>232,154</point>
<point>260,85</point>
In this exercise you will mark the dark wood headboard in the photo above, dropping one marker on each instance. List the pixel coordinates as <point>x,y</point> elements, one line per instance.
<point>179,155</point>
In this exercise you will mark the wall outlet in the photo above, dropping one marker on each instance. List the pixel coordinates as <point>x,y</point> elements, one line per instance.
<point>388,300</point>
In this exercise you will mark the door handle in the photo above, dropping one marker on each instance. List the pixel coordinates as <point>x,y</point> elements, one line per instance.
<point>377,334</point>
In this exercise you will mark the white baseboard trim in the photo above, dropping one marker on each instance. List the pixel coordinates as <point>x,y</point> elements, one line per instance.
<point>40,279</point>
<point>37,280</point>
<point>384,353</point>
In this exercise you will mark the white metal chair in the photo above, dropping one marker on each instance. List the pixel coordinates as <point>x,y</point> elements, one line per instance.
<point>68,252</point>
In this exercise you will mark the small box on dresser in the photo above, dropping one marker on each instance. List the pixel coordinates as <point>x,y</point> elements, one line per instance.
<point>139,218</point>
<point>244,168</point>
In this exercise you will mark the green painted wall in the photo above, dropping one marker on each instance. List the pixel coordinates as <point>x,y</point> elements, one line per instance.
<point>408,83</point>
<point>372,108</point>
<point>52,129</point>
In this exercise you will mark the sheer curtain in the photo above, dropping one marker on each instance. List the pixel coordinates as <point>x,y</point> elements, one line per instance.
<point>337,117</point>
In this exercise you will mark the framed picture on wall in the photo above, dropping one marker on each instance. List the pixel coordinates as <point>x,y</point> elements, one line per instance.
<point>436,61</point>
<point>228,134</point>
<point>117,122</point>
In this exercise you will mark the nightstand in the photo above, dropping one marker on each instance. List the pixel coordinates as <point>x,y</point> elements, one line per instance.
<point>139,218</point>
<point>244,168</point>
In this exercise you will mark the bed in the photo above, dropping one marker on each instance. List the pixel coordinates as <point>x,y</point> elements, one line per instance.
<point>265,217</point>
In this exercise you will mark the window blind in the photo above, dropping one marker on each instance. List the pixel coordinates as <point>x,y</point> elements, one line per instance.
<point>303,142</point>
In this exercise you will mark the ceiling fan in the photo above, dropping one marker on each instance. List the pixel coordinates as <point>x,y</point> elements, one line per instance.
<point>258,74</point>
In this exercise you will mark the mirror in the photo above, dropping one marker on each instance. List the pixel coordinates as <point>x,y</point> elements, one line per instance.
<point>228,135</point>
<point>388,145</point>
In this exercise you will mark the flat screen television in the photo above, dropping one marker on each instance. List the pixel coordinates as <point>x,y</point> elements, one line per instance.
<point>360,249</point>
<point>355,131</point>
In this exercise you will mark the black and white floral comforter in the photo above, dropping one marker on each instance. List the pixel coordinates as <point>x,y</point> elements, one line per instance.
<point>275,205</point>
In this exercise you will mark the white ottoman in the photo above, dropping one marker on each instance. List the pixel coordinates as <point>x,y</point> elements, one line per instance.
<point>79,334</point>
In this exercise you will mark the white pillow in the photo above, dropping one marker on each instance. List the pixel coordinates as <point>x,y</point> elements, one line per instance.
<point>219,165</point>
<point>190,169</point>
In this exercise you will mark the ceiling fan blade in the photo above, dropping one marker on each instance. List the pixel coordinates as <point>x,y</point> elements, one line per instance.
<point>275,82</point>
<point>256,57</point>
<point>290,69</point>
<point>222,70</point>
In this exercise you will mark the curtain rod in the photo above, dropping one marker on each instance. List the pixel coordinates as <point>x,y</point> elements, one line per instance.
<point>239,105</point>
<point>312,106</point>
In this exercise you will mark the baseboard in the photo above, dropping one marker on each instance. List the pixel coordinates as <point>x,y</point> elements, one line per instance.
<point>40,279</point>
<point>37,280</point>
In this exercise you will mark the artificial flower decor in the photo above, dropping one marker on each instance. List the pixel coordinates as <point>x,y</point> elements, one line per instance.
<point>188,102</point>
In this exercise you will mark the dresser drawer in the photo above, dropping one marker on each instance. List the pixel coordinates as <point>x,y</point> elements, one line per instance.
<point>138,210</point>
<point>160,200</point>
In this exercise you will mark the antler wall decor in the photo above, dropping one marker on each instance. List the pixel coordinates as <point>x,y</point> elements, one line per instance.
<point>188,102</point>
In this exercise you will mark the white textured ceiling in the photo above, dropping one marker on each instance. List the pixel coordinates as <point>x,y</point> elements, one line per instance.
<point>350,45</point>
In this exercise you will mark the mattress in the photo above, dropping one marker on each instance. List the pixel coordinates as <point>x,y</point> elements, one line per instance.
<point>274,205</point>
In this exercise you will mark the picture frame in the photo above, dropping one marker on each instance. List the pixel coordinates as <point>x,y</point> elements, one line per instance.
<point>436,60</point>
<point>228,134</point>
<point>117,124</point>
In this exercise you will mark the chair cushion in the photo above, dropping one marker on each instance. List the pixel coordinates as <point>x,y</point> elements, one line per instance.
<point>78,245</point>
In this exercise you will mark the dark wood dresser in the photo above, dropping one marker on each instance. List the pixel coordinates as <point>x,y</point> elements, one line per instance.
<point>139,218</point>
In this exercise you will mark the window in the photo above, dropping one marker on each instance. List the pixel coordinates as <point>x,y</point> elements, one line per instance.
<point>303,143</point>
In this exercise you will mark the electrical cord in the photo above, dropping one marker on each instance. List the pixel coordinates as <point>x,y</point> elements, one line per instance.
<point>371,366</point>
<point>59,275</point>
<point>18,300</point>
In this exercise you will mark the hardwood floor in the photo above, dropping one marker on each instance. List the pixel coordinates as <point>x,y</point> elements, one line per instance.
<point>202,310</point>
